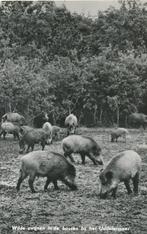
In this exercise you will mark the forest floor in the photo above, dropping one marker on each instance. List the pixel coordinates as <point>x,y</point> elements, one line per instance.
<point>66,211</point>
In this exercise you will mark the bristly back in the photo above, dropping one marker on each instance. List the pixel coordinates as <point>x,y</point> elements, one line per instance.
<point>71,167</point>
<point>95,144</point>
<point>90,138</point>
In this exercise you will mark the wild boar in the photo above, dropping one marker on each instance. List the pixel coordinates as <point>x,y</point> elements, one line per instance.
<point>40,119</point>
<point>32,137</point>
<point>118,132</point>
<point>138,120</point>
<point>24,129</point>
<point>13,118</point>
<point>52,165</point>
<point>8,127</point>
<point>56,132</point>
<point>84,146</point>
<point>47,127</point>
<point>121,168</point>
<point>71,124</point>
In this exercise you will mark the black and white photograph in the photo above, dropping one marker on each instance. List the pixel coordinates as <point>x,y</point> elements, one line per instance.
<point>73,117</point>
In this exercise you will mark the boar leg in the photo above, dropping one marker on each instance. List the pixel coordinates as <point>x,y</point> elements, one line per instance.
<point>31,181</point>
<point>69,184</point>
<point>17,135</point>
<point>135,183</point>
<point>70,156</point>
<point>32,147</point>
<point>83,158</point>
<point>28,149</point>
<point>57,136</point>
<point>143,125</point>
<point>23,175</point>
<point>68,132</point>
<point>47,184</point>
<point>127,184</point>
<point>55,184</point>
<point>43,145</point>
<point>4,134</point>
<point>92,158</point>
<point>14,135</point>
<point>114,192</point>
<point>125,138</point>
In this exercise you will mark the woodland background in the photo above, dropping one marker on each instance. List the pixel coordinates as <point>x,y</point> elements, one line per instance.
<point>60,62</point>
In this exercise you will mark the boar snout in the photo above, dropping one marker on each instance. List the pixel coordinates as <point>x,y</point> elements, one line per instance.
<point>21,151</point>
<point>100,161</point>
<point>103,195</point>
<point>74,187</point>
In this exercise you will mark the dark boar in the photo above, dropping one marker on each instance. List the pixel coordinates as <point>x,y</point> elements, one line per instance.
<point>121,168</point>
<point>52,165</point>
<point>138,120</point>
<point>84,146</point>
<point>24,129</point>
<point>40,119</point>
<point>32,137</point>
<point>56,132</point>
<point>71,124</point>
<point>8,127</point>
<point>118,132</point>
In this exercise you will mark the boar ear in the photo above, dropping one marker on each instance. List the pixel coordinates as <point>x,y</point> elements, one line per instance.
<point>109,175</point>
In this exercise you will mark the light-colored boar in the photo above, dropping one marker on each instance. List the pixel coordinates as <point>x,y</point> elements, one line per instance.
<point>14,118</point>
<point>52,165</point>
<point>118,132</point>
<point>71,124</point>
<point>47,127</point>
<point>10,128</point>
<point>84,146</point>
<point>121,168</point>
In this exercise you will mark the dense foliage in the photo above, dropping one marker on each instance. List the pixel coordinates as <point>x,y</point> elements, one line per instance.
<point>60,62</point>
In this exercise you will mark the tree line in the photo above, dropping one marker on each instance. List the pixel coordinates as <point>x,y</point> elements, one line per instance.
<point>60,62</point>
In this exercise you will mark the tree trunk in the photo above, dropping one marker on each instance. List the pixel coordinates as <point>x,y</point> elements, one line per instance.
<point>101,113</point>
<point>8,107</point>
<point>95,114</point>
<point>126,121</point>
<point>53,118</point>
<point>117,116</point>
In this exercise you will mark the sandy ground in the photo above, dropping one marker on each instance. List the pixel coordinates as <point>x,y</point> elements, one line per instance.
<point>66,211</point>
